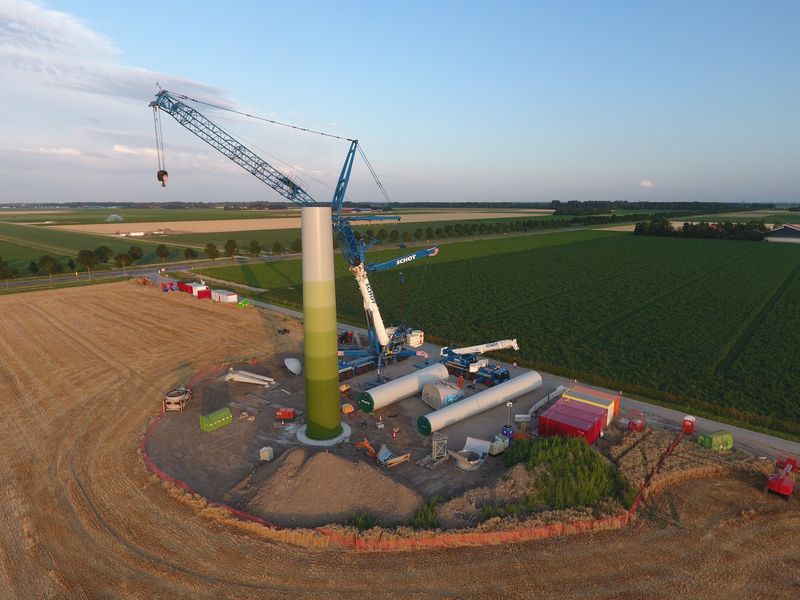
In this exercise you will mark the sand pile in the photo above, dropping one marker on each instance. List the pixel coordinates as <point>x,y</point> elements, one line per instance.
<point>325,488</point>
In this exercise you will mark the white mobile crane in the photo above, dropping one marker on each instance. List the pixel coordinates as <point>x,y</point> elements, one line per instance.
<point>466,360</point>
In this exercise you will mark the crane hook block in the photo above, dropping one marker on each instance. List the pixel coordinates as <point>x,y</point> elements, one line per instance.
<point>162,176</point>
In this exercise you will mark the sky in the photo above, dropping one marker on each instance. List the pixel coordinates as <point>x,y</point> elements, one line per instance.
<point>451,101</point>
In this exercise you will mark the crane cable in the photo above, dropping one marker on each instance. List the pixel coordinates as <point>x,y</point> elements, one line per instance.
<point>298,128</point>
<point>160,154</point>
<point>244,114</point>
<point>374,175</point>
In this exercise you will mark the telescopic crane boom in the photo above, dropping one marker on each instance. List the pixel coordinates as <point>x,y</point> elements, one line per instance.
<point>481,348</point>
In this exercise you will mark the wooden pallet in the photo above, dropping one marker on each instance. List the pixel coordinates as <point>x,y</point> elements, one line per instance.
<point>430,464</point>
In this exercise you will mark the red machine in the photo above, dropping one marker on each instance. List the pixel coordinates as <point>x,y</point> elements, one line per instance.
<point>285,414</point>
<point>636,423</point>
<point>345,337</point>
<point>781,483</point>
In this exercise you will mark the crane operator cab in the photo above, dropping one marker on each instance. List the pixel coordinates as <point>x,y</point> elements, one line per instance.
<point>162,176</point>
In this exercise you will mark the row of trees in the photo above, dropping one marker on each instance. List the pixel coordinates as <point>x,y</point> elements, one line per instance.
<point>753,231</point>
<point>231,248</point>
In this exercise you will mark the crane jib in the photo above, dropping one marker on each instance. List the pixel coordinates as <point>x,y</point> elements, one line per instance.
<point>226,144</point>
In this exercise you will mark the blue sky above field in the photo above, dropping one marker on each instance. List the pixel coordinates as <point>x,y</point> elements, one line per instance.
<point>504,101</point>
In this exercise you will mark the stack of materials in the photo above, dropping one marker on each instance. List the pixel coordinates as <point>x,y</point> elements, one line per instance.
<point>387,458</point>
<point>596,397</point>
<point>248,377</point>
<point>572,418</point>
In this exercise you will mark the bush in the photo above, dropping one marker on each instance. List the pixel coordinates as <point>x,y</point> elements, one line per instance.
<point>426,517</point>
<point>361,521</point>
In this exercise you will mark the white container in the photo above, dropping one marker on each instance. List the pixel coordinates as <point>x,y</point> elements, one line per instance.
<point>224,296</point>
<point>416,338</point>
<point>440,394</point>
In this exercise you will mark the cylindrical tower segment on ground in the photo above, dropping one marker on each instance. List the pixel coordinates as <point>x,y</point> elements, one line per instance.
<point>319,315</point>
<point>405,386</point>
<point>494,396</point>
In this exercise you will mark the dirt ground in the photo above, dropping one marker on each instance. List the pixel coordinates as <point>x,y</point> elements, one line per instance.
<point>321,488</point>
<point>81,374</point>
<point>224,225</point>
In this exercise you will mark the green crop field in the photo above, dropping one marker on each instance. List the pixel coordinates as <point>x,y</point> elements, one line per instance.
<point>704,324</point>
<point>27,243</point>
<point>15,254</point>
<point>141,215</point>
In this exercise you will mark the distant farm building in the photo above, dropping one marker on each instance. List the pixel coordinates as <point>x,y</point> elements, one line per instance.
<point>785,233</point>
<point>114,219</point>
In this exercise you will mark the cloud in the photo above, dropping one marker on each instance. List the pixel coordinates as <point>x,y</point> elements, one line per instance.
<point>61,51</point>
<point>120,149</point>
<point>60,151</point>
<point>646,184</point>
<point>81,115</point>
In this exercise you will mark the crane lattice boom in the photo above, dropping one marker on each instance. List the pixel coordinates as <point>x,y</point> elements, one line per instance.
<point>220,139</point>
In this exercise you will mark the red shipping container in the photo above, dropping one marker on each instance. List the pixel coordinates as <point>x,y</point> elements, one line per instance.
<point>590,411</point>
<point>566,425</point>
<point>182,286</point>
<point>204,294</point>
<point>563,419</point>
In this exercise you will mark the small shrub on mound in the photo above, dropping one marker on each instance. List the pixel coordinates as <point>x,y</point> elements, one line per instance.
<point>426,517</point>
<point>361,521</point>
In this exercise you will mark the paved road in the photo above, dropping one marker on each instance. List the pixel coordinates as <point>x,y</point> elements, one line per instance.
<point>759,444</point>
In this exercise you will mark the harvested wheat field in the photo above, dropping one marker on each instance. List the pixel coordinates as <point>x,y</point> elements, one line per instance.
<point>81,374</point>
<point>232,225</point>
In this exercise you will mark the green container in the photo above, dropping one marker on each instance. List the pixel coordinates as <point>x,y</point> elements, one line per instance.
<point>216,420</point>
<point>716,440</point>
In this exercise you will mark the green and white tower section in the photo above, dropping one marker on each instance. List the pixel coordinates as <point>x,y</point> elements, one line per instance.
<point>324,425</point>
